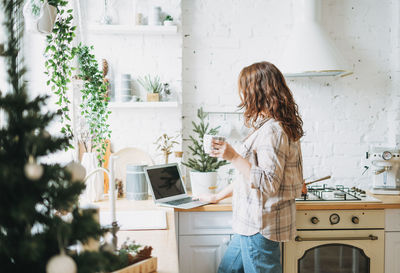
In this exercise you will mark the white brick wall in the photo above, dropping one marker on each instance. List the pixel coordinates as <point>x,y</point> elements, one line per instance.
<point>343,117</point>
<point>136,54</point>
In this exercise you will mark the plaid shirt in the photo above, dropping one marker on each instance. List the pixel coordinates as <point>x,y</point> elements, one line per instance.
<point>265,203</point>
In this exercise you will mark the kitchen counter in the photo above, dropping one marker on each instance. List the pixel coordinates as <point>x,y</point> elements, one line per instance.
<point>164,241</point>
<point>388,202</point>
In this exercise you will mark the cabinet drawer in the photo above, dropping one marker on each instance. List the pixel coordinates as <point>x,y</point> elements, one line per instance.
<point>216,222</point>
<point>201,253</point>
<point>392,219</point>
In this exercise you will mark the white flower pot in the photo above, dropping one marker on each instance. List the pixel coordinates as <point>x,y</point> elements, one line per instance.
<point>203,182</point>
<point>168,23</point>
<point>46,23</point>
<point>95,183</point>
<point>33,11</point>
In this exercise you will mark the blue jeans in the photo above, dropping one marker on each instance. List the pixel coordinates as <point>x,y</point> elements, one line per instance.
<point>251,254</point>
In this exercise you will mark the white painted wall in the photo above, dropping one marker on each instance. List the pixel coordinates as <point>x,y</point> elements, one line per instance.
<point>342,117</point>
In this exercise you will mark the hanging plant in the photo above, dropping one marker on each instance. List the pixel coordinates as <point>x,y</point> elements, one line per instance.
<point>59,55</point>
<point>94,105</point>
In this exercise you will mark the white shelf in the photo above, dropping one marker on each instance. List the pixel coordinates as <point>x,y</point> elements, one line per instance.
<point>147,104</point>
<point>128,29</point>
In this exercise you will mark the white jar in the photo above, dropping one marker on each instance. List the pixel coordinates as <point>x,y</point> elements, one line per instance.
<point>155,16</point>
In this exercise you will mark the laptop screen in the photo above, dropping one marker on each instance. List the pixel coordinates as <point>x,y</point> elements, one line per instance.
<point>165,181</point>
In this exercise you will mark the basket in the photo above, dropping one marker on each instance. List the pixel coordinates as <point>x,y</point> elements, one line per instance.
<point>146,266</point>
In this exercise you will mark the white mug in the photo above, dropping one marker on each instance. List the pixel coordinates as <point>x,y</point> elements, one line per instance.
<point>207,142</point>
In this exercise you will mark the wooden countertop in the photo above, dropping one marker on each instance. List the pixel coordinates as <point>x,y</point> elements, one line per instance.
<point>388,202</point>
<point>163,241</point>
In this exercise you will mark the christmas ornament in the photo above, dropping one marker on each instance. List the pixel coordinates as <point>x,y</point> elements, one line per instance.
<point>61,264</point>
<point>45,134</point>
<point>33,171</point>
<point>77,171</point>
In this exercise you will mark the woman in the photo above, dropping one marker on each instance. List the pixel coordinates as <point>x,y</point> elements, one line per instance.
<point>270,164</point>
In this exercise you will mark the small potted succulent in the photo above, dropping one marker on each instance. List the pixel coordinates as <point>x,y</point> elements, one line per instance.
<point>153,87</point>
<point>168,21</point>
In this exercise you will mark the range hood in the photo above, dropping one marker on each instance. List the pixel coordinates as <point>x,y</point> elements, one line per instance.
<point>310,52</point>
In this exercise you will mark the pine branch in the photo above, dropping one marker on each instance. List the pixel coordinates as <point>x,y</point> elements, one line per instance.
<point>201,161</point>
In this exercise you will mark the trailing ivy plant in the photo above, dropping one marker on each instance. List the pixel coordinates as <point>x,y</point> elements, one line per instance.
<point>59,55</point>
<point>94,106</point>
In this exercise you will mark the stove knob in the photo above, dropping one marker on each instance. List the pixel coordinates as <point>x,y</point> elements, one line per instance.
<point>314,220</point>
<point>334,219</point>
<point>355,220</point>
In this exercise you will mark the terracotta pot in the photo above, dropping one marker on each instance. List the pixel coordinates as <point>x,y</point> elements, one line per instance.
<point>153,97</point>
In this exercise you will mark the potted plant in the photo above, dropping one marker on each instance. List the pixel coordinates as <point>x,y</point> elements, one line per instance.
<point>153,87</point>
<point>40,16</point>
<point>165,144</point>
<point>203,176</point>
<point>45,23</point>
<point>33,10</point>
<point>94,129</point>
<point>168,21</point>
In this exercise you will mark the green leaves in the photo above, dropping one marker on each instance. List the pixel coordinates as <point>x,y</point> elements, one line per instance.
<point>94,106</point>
<point>201,161</point>
<point>59,53</point>
<point>151,85</point>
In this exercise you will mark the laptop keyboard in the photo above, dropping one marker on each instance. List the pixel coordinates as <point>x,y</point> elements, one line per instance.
<point>180,201</point>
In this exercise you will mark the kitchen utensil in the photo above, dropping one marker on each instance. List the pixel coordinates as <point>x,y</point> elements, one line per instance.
<point>317,180</point>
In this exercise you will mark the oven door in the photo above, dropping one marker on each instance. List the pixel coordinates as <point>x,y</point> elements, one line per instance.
<point>333,251</point>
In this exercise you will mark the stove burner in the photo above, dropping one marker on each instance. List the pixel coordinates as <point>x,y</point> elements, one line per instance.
<point>336,193</point>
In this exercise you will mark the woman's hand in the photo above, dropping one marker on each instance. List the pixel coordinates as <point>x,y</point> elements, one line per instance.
<point>223,150</point>
<point>207,198</point>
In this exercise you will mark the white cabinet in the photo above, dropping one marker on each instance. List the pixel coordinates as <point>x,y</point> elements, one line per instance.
<point>392,240</point>
<point>201,253</point>
<point>203,238</point>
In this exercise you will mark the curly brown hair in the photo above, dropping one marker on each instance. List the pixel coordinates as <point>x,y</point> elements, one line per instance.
<point>264,94</point>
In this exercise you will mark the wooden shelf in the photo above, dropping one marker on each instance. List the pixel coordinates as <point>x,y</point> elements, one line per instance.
<point>151,104</point>
<point>128,29</point>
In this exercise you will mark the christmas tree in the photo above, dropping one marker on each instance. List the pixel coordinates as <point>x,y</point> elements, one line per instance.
<point>39,215</point>
<point>201,161</point>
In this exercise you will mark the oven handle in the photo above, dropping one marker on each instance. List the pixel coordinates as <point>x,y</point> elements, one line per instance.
<point>302,239</point>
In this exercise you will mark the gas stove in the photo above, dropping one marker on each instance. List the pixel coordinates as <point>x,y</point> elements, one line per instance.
<point>336,193</point>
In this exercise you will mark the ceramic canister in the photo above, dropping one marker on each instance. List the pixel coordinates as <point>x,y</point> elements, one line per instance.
<point>126,94</point>
<point>136,184</point>
<point>155,16</point>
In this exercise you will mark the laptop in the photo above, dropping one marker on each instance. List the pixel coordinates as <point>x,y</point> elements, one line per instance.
<point>166,184</point>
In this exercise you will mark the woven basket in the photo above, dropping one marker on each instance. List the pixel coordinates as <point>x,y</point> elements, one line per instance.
<point>146,266</point>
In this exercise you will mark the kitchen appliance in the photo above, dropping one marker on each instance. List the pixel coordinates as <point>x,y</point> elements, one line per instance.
<point>385,166</point>
<point>309,50</point>
<point>338,193</point>
<point>329,241</point>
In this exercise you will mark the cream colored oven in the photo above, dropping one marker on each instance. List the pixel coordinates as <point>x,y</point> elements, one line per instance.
<point>344,241</point>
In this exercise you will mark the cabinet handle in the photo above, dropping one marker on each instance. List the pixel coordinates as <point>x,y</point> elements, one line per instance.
<point>302,239</point>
